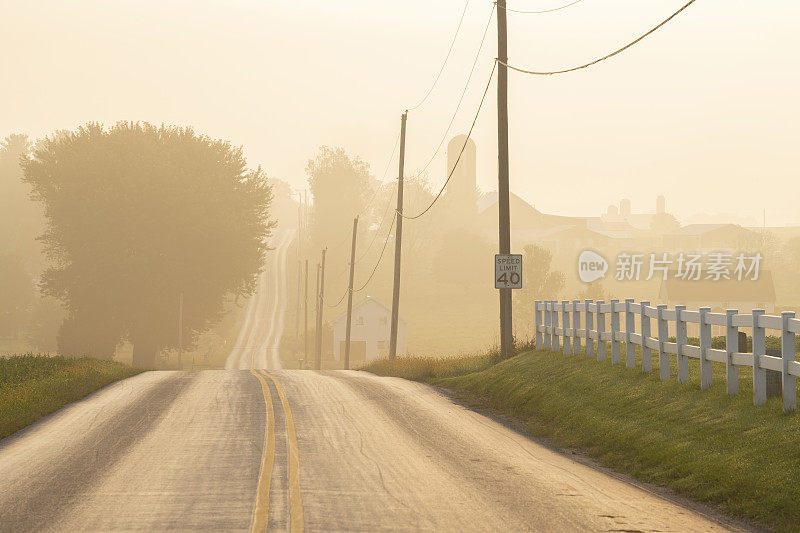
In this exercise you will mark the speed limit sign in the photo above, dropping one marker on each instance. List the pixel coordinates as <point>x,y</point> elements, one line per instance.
<point>508,271</point>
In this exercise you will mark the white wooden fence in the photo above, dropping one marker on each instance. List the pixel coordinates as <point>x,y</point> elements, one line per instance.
<point>599,322</point>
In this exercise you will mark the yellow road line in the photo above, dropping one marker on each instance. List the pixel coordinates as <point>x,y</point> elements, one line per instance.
<point>261,511</point>
<point>296,520</point>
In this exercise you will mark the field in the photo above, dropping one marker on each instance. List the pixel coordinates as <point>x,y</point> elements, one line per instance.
<point>33,386</point>
<point>705,445</point>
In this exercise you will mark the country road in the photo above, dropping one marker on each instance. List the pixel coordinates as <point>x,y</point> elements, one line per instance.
<point>234,450</point>
<point>258,342</point>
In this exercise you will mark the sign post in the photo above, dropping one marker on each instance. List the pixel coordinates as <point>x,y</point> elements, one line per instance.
<point>508,271</point>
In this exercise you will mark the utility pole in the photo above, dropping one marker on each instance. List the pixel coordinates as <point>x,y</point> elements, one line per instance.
<point>318,358</point>
<point>398,240</point>
<point>305,318</point>
<point>350,296</point>
<point>180,332</point>
<point>506,328</point>
<point>297,307</point>
<point>316,313</point>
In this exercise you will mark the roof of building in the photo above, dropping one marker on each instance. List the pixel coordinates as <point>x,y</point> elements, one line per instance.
<point>701,229</point>
<point>368,299</point>
<point>678,290</point>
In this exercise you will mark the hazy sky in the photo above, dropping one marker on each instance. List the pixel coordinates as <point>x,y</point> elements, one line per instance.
<point>705,111</point>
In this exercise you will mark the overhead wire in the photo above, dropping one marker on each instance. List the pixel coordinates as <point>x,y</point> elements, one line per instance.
<point>380,225</point>
<point>463,93</point>
<point>375,268</point>
<point>374,194</point>
<point>460,153</point>
<point>446,58</point>
<point>596,61</point>
<point>508,9</point>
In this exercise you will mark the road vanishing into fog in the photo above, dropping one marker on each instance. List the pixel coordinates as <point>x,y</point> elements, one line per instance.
<point>258,343</point>
<point>238,450</point>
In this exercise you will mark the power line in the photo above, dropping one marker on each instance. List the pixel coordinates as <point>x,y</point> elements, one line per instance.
<point>469,134</point>
<point>509,10</point>
<point>612,54</point>
<point>374,193</point>
<point>383,177</point>
<point>449,51</point>
<point>380,225</point>
<point>463,93</point>
<point>340,299</point>
<point>375,269</point>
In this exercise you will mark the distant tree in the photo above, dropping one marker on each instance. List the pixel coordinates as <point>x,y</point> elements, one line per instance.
<point>538,282</point>
<point>594,291</point>
<point>468,255</point>
<point>339,187</point>
<point>791,250</point>
<point>16,295</point>
<point>21,220</point>
<point>284,205</point>
<point>137,215</point>
<point>47,316</point>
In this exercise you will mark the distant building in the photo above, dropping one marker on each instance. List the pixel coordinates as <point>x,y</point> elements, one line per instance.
<point>462,189</point>
<point>716,237</point>
<point>369,333</point>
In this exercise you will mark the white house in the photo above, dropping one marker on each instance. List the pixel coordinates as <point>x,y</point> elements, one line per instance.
<point>369,334</point>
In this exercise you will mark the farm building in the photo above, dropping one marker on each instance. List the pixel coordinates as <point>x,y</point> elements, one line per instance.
<point>369,334</point>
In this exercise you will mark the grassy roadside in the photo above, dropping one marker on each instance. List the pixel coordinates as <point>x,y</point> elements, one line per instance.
<point>703,444</point>
<point>33,386</point>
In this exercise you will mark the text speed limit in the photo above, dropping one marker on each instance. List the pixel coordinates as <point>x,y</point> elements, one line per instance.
<point>508,271</point>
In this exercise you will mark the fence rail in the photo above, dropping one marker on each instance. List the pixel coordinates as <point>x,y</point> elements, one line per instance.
<point>587,321</point>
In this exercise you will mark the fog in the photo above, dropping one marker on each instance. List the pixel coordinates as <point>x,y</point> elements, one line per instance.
<point>703,112</point>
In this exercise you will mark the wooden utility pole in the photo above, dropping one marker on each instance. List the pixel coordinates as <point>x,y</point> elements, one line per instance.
<point>506,328</point>
<point>321,300</point>
<point>316,313</point>
<point>398,241</point>
<point>297,308</point>
<point>305,318</point>
<point>350,296</point>
<point>180,332</point>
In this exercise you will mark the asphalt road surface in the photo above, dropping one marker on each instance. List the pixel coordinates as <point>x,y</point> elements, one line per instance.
<point>293,450</point>
<point>260,336</point>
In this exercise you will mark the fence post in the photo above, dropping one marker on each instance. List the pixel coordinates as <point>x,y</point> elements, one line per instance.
<point>614,332</point>
<point>663,337</point>
<point>705,345</point>
<point>554,346</point>
<point>680,341</point>
<point>537,322</point>
<point>601,329</point>
<point>547,325</point>
<point>565,315</point>
<point>731,347</point>
<point>759,349</point>
<point>630,329</point>
<point>647,355</point>
<point>576,327</point>
<point>788,382</point>
<point>589,328</point>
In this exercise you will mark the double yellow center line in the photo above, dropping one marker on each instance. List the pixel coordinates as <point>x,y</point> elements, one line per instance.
<point>261,511</point>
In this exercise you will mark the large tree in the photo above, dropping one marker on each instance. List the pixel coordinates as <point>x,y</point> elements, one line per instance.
<point>16,295</point>
<point>21,220</point>
<point>539,282</point>
<point>340,185</point>
<point>137,215</point>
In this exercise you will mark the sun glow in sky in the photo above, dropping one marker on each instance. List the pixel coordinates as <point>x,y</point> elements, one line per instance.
<point>704,112</point>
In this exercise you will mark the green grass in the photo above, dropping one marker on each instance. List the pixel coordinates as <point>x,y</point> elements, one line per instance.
<point>706,445</point>
<point>33,386</point>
